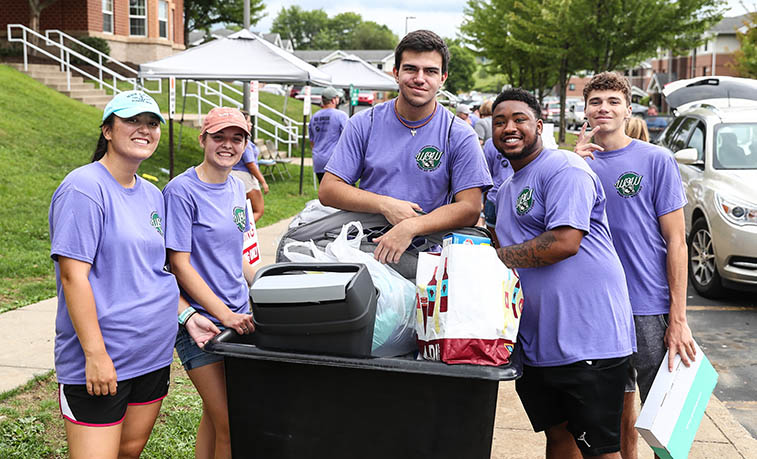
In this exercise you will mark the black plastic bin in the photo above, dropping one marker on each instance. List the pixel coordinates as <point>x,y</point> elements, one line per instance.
<point>290,405</point>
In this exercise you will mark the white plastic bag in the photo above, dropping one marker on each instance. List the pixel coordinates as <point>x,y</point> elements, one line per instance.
<point>394,328</point>
<point>317,255</point>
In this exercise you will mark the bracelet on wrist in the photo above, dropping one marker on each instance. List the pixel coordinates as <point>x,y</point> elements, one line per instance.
<point>186,314</point>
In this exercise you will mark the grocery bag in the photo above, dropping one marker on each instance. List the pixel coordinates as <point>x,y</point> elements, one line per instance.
<point>251,248</point>
<point>468,306</point>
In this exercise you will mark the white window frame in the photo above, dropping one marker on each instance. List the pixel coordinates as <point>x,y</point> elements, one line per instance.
<point>138,17</point>
<point>163,20</point>
<point>107,14</point>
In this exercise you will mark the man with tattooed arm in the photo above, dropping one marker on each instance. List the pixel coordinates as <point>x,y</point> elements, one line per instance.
<point>576,330</point>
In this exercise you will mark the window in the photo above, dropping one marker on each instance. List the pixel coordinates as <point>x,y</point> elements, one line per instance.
<point>108,16</point>
<point>572,87</point>
<point>668,134</point>
<point>163,19</point>
<point>680,137</point>
<point>704,71</point>
<point>138,17</point>
<point>697,141</point>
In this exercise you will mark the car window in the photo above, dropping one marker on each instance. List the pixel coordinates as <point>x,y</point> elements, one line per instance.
<point>668,138</point>
<point>682,134</point>
<point>735,147</point>
<point>697,141</point>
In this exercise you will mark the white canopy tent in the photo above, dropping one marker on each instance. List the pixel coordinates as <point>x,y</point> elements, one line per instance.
<point>353,71</point>
<point>241,56</point>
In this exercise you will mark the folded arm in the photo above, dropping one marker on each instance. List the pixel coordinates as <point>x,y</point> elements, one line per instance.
<point>545,249</point>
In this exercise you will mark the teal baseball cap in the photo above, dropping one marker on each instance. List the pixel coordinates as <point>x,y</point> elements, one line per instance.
<point>130,103</point>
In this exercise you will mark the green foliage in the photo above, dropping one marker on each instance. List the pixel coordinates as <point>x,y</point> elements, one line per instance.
<point>202,14</point>
<point>745,59</point>
<point>315,30</point>
<point>461,69</point>
<point>94,42</point>
<point>43,136</point>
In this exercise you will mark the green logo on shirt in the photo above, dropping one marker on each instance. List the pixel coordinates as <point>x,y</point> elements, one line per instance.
<point>156,222</point>
<point>525,201</point>
<point>429,158</point>
<point>239,218</point>
<point>628,184</point>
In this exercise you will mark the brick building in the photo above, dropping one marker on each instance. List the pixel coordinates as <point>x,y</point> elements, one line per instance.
<point>137,30</point>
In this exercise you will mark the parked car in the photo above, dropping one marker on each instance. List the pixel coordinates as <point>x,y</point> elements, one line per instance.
<point>657,124</point>
<point>551,112</point>
<point>574,116</point>
<point>315,94</point>
<point>715,146</point>
<point>273,88</point>
<point>365,98</point>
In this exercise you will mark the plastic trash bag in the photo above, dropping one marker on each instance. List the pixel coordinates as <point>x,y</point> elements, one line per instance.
<point>394,327</point>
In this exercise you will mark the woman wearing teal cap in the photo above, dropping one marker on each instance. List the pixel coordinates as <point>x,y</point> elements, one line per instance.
<point>116,321</point>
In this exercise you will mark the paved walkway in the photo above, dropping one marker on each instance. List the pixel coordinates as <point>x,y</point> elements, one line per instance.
<point>26,350</point>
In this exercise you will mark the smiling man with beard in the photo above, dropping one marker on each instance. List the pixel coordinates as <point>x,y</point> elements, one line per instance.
<point>410,155</point>
<point>576,330</point>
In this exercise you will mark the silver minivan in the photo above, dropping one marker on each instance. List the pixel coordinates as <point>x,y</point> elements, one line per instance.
<point>714,140</point>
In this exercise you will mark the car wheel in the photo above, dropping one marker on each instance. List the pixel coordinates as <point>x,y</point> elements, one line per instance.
<point>702,269</point>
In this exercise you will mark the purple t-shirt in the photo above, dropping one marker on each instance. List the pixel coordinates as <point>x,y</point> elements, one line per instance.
<point>250,155</point>
<point>499,168</point>
<point>324,130</point>
<point>576,309</point>
<point>119,232</point>
<point>442,159</point>
<point>209,220</point>
<point>643,183</point>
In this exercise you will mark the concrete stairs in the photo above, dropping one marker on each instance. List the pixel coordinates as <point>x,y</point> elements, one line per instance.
<point>51,76</point>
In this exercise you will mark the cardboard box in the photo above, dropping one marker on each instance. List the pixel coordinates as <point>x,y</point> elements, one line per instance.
<point>457,238</point>
<point>670,417</point>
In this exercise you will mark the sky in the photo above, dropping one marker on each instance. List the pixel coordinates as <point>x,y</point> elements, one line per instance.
<point>441,16</point>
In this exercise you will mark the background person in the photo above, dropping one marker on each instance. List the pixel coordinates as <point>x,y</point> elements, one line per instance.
<point>205,225</point>
<point>500,170</point>
<point>645,200</point>
<point>483,127</point>
<point>636,128</point>
<point>410,154</point>
<point>462,111</point>
<point>324,130</point>
<point>115,324</point>
<point>248,172</point>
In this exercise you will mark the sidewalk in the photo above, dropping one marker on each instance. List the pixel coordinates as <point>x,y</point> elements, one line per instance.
<point>26,350</point>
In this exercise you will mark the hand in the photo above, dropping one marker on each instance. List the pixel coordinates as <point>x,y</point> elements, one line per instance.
<point>201,329</point>
<point>397,210</point>
<point>100,375</point>
<point>679,341</point>
<point>265,187</point>
<point>394,243</point>
<point>241,323</point>
<point>584,147</point>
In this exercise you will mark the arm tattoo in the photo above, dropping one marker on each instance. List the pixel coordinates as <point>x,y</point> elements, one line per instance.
<point>530,254</point>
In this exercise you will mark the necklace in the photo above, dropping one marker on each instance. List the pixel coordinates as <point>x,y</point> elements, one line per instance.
<point>413,129</point>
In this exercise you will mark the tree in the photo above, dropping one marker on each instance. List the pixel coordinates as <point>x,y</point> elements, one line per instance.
<point>567,36</point>
<point>202,14</point>
<point>300,26</point>
<point>461,67</point>
<point>35,10</point>
<point>370,35</point>
<point>343,26</point>
<point>745,59</point>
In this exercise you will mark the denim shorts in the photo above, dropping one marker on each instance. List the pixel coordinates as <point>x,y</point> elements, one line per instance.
<point>650,352</point>
<point>490,213</point>
<point>190,355</point>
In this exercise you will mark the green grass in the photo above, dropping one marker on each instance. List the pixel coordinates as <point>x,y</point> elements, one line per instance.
<point>31,425</point>
<point>43,136</point>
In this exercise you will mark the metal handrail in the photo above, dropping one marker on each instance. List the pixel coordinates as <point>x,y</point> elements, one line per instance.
<point>100,56</point>
<point>65,58</point>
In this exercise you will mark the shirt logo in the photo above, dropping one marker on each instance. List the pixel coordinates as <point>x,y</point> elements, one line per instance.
<point>239,218</point>
<point>429,158</point>
<point>156,222</point>
<point>525,201</point>
<point>628,184</point>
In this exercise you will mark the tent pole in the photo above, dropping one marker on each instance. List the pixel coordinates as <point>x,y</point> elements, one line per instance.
<point>302,156</point>
<point>170,147</point>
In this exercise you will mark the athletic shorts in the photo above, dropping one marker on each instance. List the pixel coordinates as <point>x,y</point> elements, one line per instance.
<point>650,352</point>
<point>587,394</point>
<point>190,355</point>
<point>250,182</point>
<point>79,407</point>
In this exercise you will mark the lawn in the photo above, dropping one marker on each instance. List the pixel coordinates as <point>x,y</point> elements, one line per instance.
<point>43,136</point>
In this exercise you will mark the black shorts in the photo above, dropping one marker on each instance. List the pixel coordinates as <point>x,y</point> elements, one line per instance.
<point>79,407</point>
<point>586,394</point>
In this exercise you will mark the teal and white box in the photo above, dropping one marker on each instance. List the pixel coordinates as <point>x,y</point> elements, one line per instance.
<point>674,408</point>
<point>466,239</point>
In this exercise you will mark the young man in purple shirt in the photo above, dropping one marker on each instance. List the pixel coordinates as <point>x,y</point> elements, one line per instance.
<point>324,130</point>
<point>576,330</point>
<point>645,200</point>
<point>410,155</point>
